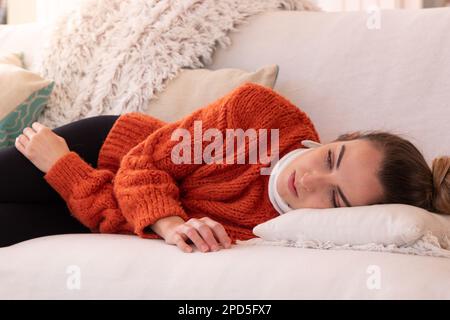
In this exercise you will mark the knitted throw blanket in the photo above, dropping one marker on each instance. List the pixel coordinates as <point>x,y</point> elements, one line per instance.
<point>113,56</point>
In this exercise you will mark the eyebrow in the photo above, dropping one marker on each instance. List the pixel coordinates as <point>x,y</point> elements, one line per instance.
<point>341,155</point>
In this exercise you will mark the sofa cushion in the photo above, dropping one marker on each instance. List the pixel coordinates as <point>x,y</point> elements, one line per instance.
<point>193,89</point>
<point>23,96</point>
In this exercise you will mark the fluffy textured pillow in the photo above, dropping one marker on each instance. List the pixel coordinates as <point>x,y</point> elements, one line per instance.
<point>23,95</point>
<point>199,87</point>
<point>385,224</point>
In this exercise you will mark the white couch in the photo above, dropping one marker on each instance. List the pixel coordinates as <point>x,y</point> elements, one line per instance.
<point>346,77</point>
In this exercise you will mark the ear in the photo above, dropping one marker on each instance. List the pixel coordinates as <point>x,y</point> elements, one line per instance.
<point>311,144</point>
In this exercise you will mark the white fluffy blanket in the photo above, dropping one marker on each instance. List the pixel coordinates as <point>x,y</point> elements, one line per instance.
<point>112,56</point>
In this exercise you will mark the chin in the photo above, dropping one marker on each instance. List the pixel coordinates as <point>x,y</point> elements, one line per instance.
<point>294,206</point>
<point>288,199</point>
<point>284,194</point>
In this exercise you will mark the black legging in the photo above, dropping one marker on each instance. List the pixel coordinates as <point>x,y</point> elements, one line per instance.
<point>29,206</point>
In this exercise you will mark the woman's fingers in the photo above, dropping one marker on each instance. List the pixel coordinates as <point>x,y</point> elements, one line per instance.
<point>205,233</point>
<point>192,233</point>
<point>19,145</point>
<point>180,242</point>
<point>37,126</point>
<point>219,231</point>
<point>23,139</point>
<point>29,133</point>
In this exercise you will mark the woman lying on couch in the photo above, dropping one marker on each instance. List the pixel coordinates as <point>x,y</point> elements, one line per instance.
<point>146,183</point>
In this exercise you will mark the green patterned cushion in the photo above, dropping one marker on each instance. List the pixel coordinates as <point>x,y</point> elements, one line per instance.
<point>23,116</point>
<point>23,95</point>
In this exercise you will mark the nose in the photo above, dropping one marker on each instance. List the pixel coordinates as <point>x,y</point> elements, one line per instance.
<point>303,183</point>
<point>311,181</point>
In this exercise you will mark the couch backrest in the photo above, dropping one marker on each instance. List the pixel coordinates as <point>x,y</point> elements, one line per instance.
<point>29,38</point>
<point>347,77</point>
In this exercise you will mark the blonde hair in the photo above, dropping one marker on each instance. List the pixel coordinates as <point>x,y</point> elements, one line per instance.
<point>404,173</point>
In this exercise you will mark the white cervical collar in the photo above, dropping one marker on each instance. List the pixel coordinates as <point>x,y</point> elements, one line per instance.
<point>279,204</point>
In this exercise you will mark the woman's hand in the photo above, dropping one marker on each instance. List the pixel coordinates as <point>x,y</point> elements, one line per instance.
<point>41,146</point>
<point>203,232</point>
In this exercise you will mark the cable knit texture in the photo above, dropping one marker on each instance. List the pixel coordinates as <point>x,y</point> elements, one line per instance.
<point>137,183</point>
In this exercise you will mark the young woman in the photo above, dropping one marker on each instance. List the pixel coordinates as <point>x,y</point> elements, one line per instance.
<point>122,174</point>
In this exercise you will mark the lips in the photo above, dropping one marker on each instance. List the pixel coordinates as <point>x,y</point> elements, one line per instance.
<point>291,184</point>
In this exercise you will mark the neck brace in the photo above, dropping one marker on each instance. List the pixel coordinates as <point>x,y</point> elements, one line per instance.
<point>279,204</point>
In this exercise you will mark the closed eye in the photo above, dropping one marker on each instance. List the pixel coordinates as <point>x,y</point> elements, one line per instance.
<point>332,192</point>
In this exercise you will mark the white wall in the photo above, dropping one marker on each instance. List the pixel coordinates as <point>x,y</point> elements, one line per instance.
<point>21,11</point>
<point>47,10</point>
<point>354,5</point>
<point>25,11</point>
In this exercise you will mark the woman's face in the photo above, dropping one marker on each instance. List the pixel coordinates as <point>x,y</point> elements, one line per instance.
<point>317,182</point>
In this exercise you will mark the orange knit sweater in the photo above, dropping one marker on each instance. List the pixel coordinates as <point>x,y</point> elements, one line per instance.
<point>136,183</point>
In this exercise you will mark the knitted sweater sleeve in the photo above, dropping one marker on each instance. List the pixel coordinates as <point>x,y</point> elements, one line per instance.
<point>92,199</point>
<point>88,193</point>
<point>147,183</point>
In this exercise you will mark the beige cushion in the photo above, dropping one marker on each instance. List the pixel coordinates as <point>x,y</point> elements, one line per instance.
<point>23,96</point>
<point>193,89</point>
<point>12,59</point>
<point>16,82</point>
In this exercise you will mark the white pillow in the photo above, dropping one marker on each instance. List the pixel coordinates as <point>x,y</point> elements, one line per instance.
<point>386,224</point>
